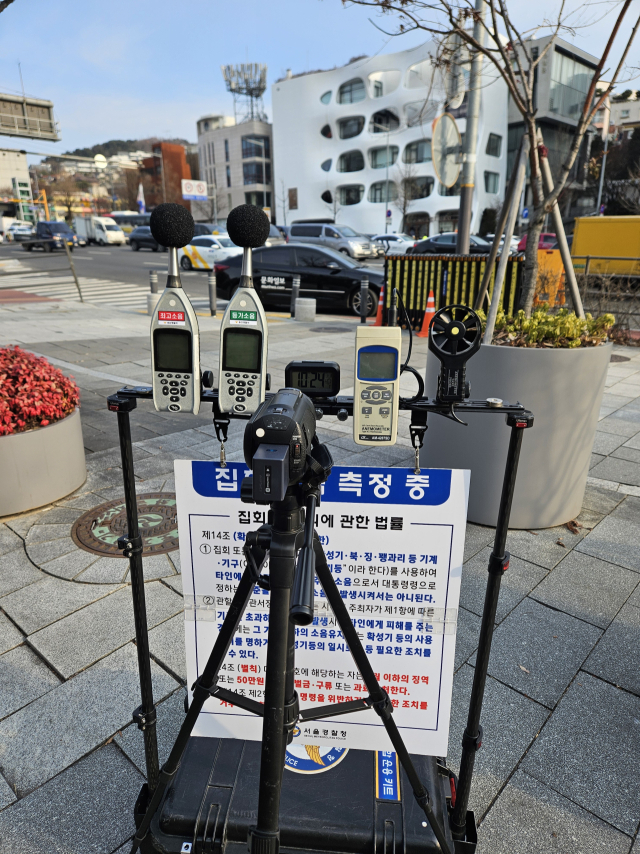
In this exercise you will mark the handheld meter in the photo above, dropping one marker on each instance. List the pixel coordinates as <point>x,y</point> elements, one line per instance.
<point>376,385</point>
<point>175,336</point>
<point>243,331</point>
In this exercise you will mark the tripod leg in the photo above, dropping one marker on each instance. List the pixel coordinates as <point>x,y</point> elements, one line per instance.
<point>146,714</point>
<point>498,563</point>
<point>381,702</point>
<point>200,695</point>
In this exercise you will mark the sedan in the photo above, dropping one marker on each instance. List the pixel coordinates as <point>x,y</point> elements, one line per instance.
<point>141,238</point>
<point>327,276</point>
<point>546,241</point>
<point>203,252</point>
<point>445,244</point>
<point>394,244</point>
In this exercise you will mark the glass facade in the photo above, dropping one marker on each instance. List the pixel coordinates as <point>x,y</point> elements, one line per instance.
<point>261,200</point>
<point>491,182</point>
<point>378,156</point>
<point>351,92</point>
<point>350,194</point>
<point>252,172</point>
<point>418,152</point>
<point>351,161</point>
<point>383,121</point>
<point>494,145</point>
<point>256,146</point>
<point>418,188</point>
<point>348,128</point>
<point>570,81</point>
<point>378,191</point>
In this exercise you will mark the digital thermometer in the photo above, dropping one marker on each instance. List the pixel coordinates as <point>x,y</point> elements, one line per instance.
<point>376,385</point>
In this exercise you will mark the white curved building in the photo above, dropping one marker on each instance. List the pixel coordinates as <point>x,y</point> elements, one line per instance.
<point>338,134</point>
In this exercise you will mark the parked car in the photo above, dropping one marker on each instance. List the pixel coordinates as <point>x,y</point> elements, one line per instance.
<point>514,241</point>
<point>394,244</point>
<point>19,231</point>
<point>342,238</point>
<point>546,242</point>
<point>102,230</point>
<point>50,236</point>
<point>329,277</point>
<point>445,244</point>
<point>203,252</point>
<point>141,238</point>
<point>202,228</point>
<point>276,238</point>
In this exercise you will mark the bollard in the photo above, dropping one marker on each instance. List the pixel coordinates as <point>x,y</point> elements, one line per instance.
<point>153,281</point>
<point>305,310</point>
<point>213,294</point>
<point>295,291</point>
<point>364,298</point>
<point>152,302</point>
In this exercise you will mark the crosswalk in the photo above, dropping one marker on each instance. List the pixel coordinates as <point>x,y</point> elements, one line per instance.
<point>27,286</point>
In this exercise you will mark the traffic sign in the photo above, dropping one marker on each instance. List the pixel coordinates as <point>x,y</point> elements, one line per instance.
<point>194,190</point>
<point>525,213</point>
<point>388,214</point>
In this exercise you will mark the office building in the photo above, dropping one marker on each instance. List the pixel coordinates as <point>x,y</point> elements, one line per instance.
<point>349,140</point>
<point>166,168</point>
<point>235,161</point>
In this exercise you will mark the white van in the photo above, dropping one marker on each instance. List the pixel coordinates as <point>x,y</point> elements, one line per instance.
<point>102,230</point>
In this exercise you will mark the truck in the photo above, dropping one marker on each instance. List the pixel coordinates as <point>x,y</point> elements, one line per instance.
<point>98,229</point>
<point>607,245</point>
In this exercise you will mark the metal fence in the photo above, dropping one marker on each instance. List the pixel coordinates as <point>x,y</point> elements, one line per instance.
<point>452,278</point>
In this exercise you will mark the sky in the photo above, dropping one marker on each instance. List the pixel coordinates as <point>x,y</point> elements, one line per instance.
<point>130,69</point>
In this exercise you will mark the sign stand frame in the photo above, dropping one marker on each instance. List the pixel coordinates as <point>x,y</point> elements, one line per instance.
<point>461,820</point>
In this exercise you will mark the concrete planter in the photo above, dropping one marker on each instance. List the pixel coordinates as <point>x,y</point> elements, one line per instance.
<point>563,389</point>
<point>41,466</point>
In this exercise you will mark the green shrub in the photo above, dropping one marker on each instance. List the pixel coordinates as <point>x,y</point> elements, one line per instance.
<point>545,329</point>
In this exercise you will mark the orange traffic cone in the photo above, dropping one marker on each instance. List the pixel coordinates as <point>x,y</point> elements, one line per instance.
<point>429,312</point>
<point>380,308</point>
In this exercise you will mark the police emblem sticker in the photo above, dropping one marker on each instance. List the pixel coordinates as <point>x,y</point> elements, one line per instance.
<point>313,759</point>
<point>387,776</point>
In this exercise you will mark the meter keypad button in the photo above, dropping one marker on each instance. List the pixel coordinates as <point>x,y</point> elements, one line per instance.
<point>227,375</point>
<point>160,375</point>
<point>376,395</point>
<point>251,382</point>
<point>169,375</point>
<point>236,375</point>
<point>386,395</point>
<point>239,407</point>
<point>183,392</point>
<point>365,395</point>
<point>245,376</point>
<point>240,399</point>
<point>165,391</point>
<point>241,382</point>
<point>184,382</point>
<point>174,399</point>
<point>384,411</point>
<point>178,376</point>
<point>249,392</point>
<point>367,410</point>
<point>163,382</point>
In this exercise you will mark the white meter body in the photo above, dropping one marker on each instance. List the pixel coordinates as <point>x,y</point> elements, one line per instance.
<point>175,353</point>
<point>376,385</point>
<point>243,354</point>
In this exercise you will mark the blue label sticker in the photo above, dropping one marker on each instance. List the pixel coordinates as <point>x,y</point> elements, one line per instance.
<point>387,776</point>
<point>353,485</point>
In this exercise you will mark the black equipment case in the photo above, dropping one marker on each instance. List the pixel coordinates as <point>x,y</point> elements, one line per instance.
<point>213,801</point>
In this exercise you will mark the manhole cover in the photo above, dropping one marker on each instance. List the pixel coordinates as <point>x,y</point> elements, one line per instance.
<point>616,358</point>
<point>336,327</point>
<point>98,530</point>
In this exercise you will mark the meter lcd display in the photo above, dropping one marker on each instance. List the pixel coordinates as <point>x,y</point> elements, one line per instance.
<point>242,350</point>
<point>172,350</point>
<point>381,365</point>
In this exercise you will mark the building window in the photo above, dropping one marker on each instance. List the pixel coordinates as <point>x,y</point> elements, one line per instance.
<point>418,188</point>
<point>449,191</point>
<point>326,131</point>
<point>383,121</point>
<point>378,156</point>
<point>351,161</point>
<point>212,153</point>
<point>383,191</point>
<point>326,97</point>
<point>351,92</point>
<point>260,200</point>
<point>326,165</point>
<point>256,146</point>
<point>418,152</point>
<point>206,125</point>
<point>226,150</point>
<point>252,172</point>
<point>570,81</point>
<point>327,197</point>
<point>494,145</point>
<point>378,89</point>
<point>491,182</point>
<point>348,128</point>
<point>351,194</point>
<point>293,199</point>
<point>229,201</point>
<point>624,114</point>
<point>228,176</point>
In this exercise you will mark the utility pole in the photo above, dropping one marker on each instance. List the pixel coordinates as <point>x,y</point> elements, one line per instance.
<point>471,135</point>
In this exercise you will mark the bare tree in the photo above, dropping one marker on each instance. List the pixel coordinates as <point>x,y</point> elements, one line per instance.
<point>509,49</point>
<point>334,206</point>
<point>67,192</point>
<point>407,190</point>
<point>282,200</point>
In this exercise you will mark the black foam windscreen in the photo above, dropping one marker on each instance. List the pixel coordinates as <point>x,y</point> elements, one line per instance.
<point>248,225</point>
<point>172,225</point>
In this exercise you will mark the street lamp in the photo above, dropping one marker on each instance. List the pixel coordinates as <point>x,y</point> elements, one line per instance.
<point>386,128</point>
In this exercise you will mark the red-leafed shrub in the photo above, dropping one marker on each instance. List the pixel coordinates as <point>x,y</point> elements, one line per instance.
<point>32,392</point>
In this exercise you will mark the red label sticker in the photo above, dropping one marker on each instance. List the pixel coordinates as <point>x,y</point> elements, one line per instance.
<point>171,315</point>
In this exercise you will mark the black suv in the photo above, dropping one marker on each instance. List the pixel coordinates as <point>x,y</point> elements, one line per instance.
<point>327,276</point>
<point>445,244</point>
<point>50,236</point>
<point>141,238</point>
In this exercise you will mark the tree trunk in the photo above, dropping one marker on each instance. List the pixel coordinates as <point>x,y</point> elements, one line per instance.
<point>531,261</point>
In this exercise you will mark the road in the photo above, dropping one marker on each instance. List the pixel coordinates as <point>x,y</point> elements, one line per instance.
<point>114,263</point>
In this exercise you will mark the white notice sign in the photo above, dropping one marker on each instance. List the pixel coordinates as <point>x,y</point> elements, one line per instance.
<point>394,543</point>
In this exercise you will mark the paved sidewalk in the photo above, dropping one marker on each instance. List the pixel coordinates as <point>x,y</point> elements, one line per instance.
<point>558,769</point>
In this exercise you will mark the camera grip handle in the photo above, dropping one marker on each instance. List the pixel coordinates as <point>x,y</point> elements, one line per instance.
<point>301,611</point>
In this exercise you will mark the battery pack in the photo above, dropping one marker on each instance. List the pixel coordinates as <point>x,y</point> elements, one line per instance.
<point>353,806</point>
